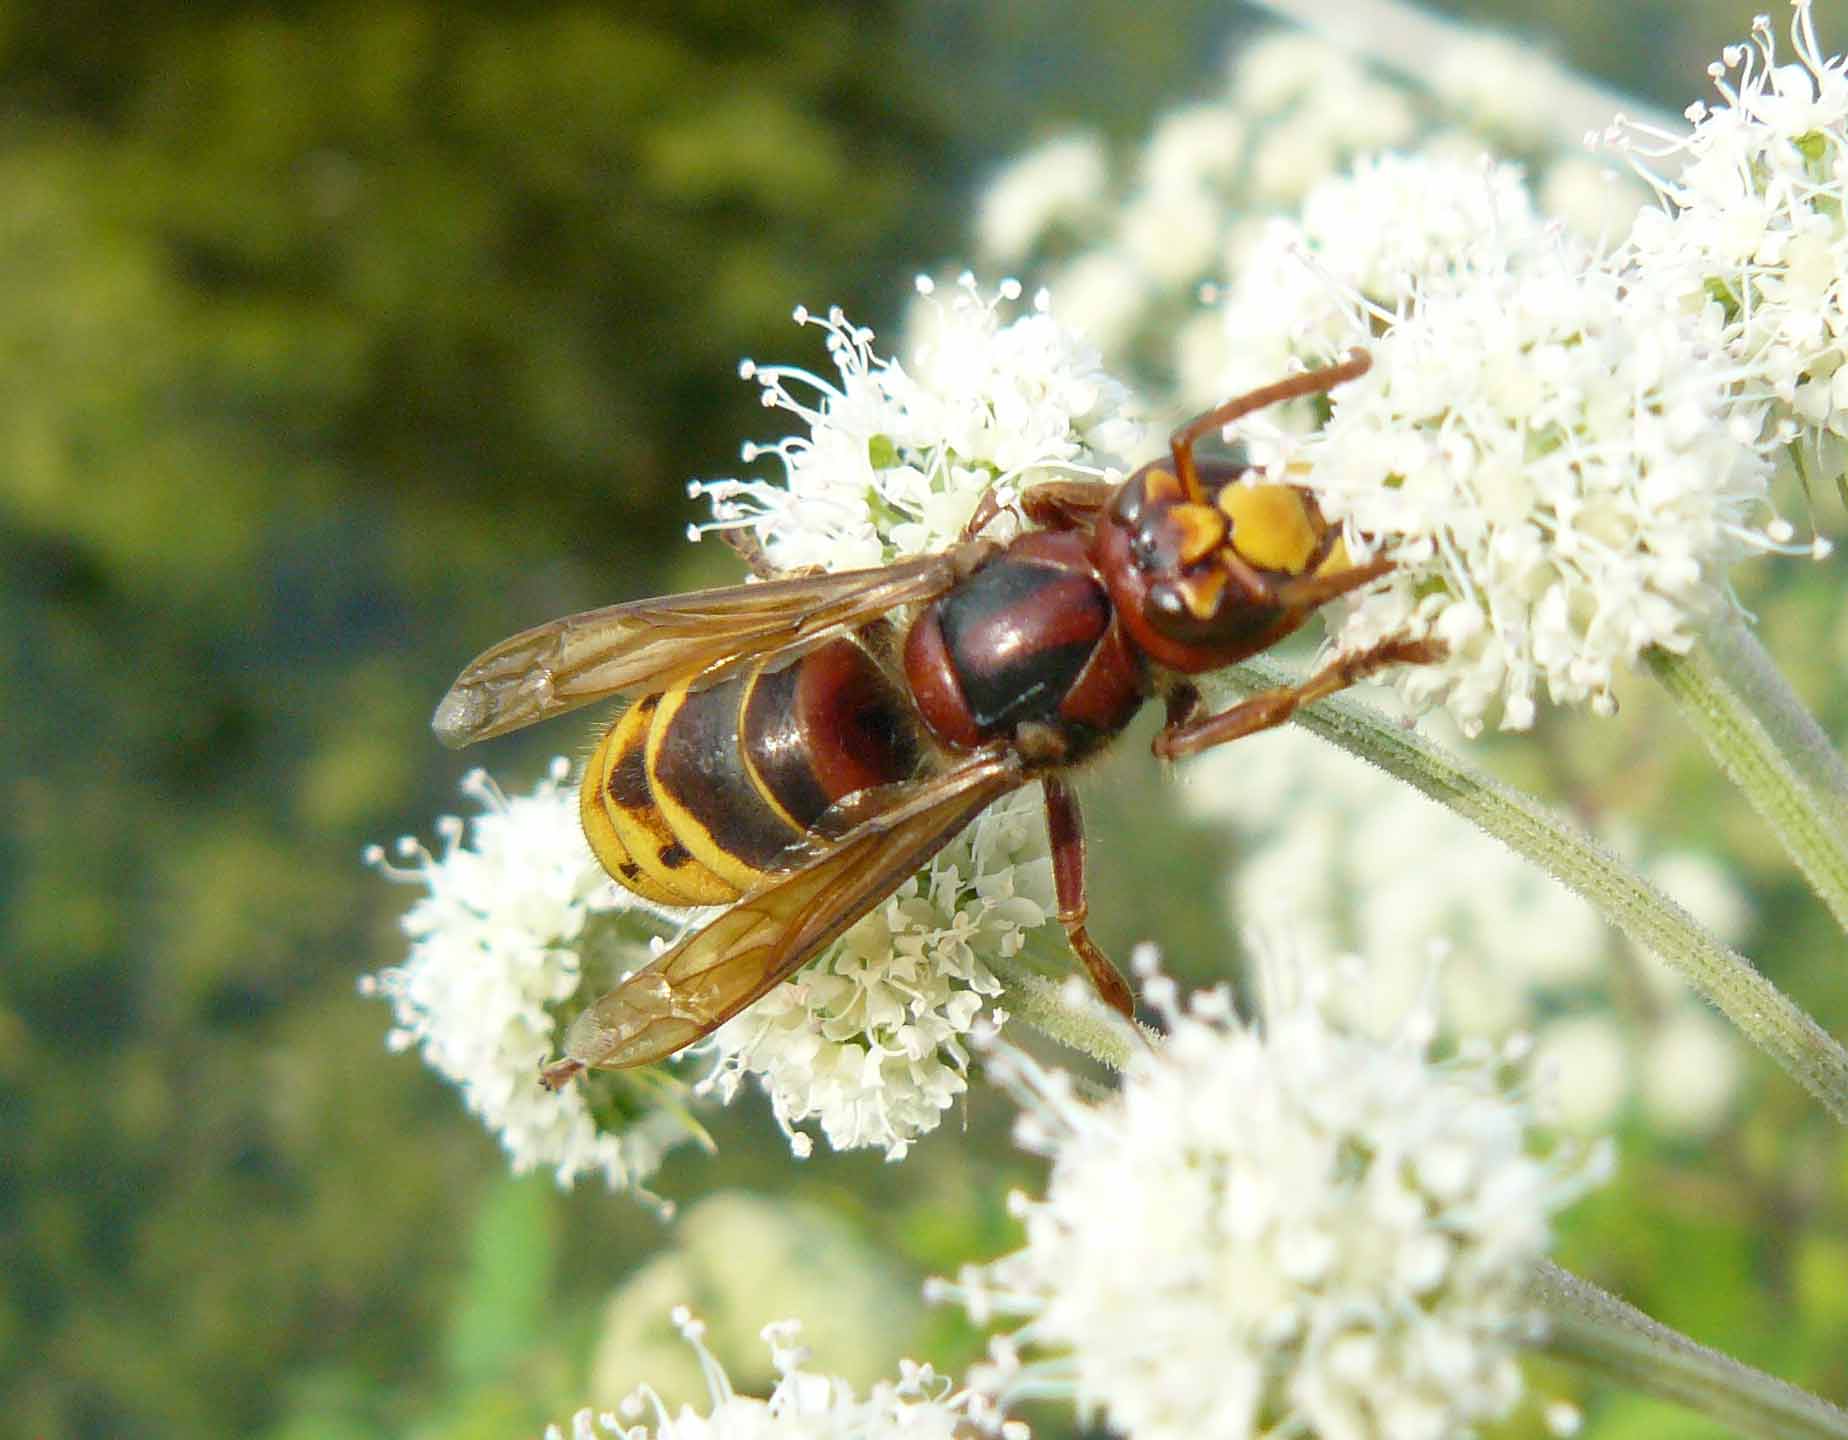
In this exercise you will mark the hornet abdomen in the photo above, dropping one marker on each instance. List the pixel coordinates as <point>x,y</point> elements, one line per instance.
<point>695,795</point>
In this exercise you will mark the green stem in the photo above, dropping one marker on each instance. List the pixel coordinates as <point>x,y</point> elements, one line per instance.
<point>1762,685</point>
<point>1723,976</point>
<point>1595,1329</point>
<point>1042,1002</point>
<point>1735,699</point>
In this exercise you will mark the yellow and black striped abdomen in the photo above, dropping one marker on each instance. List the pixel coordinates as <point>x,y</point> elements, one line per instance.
<point>695,795</point>
<point>626,829</point>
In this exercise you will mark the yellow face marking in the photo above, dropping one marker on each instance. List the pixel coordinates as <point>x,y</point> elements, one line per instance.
<point>1202,530</point>
<point>1271,526</point>
<point>1200,592</point>
<point>1162,487</point>
<point>1338,559</point>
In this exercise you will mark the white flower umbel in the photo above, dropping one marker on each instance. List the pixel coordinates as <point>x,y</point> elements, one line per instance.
<point>1129,247</point>
<point>1061,183</point>
<point>1753,223</point>
<point>1558,460</point>
<point>1377,232</point>
<point>919,1405</point>
<point>1312,109</point>
<point>871,1041</point>
<point>898,454</point>
<point>1277,1229</point>
<point>494,954</point>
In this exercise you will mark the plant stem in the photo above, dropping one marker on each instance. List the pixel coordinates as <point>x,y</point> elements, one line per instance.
<point>1044,1004</point>
<point>1595,1329</point>
<point>1736,700</point>
<point>1720,974</point>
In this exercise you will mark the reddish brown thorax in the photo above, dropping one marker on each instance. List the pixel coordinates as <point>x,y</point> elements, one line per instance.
<point>1030,637</point>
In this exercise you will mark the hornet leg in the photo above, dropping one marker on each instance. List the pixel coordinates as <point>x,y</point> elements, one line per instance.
<point>1273,707</point>
<point>1065,825</point>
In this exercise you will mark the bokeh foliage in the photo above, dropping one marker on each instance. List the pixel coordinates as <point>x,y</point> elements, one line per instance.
<point>338,340</point>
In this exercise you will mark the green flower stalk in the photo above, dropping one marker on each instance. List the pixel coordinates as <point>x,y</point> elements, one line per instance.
<point>1735,699</point>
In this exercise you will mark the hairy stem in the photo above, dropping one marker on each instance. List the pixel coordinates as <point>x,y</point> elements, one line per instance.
<point>1077,1022</point>
<point>1738,702</point>
<point>1594,1329</point>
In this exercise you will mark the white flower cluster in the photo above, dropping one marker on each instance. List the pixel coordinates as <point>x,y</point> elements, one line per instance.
<point>1755,220</point>
<point>1560,465</point>
<point>494,953</point>
<point>919,1405</point>
<point>1061,184</point>
<point>1563,447</point>
<point>898,454</point>
<point>733,1249</point>
<point>1128,255</point>
<point>1322,839</point>
<point>1366,238</point>
<point>1561,460</point>
<point>1277,1229</point>
<point>1558,457</point>
<point>870,1041</point>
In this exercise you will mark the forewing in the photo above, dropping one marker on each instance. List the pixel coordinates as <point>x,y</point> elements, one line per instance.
<point>769,934</point>
<point>649,645</point>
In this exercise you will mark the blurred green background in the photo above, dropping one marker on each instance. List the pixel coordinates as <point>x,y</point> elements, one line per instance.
<point>339,340</point>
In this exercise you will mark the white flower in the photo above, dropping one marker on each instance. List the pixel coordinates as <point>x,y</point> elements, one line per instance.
<point>1104,296</point>
<point>1500,86</point>
<point>1060,181</point>
<point>494,954</point>
<point>1169,228</point>
<point>1691,1072</point>
<point>1323,855</point>
<point>1277,1229</point>
<point>898,454</point>
<point>1754,225</point>
<point>1129,248</point>
<point>871,1040</point>
<point>1193,149</point>
<point>1586,1064</point>
<point>1559,462</point>
<point>919,1405</point>
<point>1596,201</point>
<point>1312,108</point>
<point>1374,234</point>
